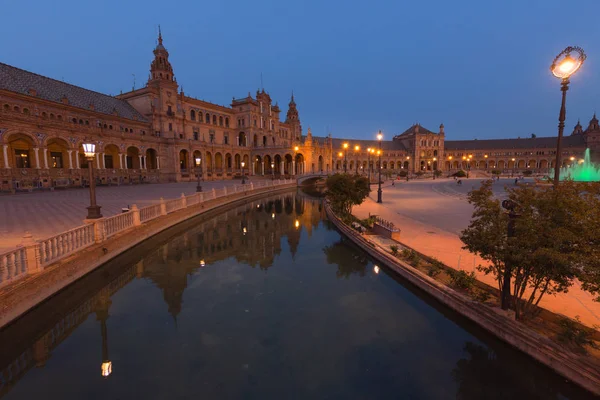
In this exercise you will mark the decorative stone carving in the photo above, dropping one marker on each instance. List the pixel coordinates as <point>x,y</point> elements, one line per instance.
<point>40,137</point>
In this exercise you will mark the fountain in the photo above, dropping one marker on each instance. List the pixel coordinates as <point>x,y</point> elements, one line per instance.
<point>581,172</point>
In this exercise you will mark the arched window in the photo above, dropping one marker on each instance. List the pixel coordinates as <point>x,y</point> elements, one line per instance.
<point>200,116</point>
<point>26,111</point>
<point>16,108</point>
<point>220,121</point>
<point>227,122</point>
<point>207,118</point>
<point>193,115</point>
<point>74,120</point>
<point>214,119</point>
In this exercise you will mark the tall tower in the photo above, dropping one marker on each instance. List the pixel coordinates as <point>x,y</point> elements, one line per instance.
<point>293,119</point>
<point>160,68</point>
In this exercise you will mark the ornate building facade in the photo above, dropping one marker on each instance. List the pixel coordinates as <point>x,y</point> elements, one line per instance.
<point>159,134</point>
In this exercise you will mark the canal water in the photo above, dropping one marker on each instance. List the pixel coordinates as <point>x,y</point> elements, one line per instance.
<point>263,301</point>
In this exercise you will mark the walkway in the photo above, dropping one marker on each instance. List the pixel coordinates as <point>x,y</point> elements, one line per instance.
<point>48,213</point>
<point>431,215</point>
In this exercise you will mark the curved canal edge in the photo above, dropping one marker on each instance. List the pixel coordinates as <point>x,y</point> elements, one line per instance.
<point>529,342</point>
<point>27,293</point>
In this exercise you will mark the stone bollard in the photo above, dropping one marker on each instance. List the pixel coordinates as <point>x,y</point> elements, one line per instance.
<point>183,201</point>
<point>32,253</point>
<point>163,206</point>
<point>136,215</point>
<point>98,228</point>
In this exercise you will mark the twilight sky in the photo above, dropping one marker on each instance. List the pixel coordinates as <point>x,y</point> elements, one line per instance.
<point>480,67</point>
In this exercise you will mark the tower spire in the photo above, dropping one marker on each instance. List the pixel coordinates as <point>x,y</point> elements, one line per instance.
<point>159,35</point>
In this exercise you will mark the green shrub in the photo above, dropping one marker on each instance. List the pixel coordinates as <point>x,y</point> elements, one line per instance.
<point>496,172</point>
<point>462,280</point>
<point>438,172</point>
<point>573,333</point>
<point>482,296</point>
<point>394,249</point>
<point>368,222</point>
<point>460,174</point>
<point>411,256</point>
<point>419,173</point>
<point>402,173</point>
<point>527,172</point>
<point>434,271</point>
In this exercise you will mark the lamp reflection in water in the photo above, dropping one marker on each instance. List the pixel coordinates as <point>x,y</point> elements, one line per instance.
<point>376,269</point>
<point>102,307</point>
<point>297,224</point>
<point>202,263</point>
<point>273,216</point>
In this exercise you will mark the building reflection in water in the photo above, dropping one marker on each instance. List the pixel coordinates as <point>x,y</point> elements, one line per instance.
<point>263,224</point>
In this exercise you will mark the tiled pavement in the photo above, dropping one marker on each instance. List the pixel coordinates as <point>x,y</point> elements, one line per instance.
<point>48,213</point>
<point>430,222</point>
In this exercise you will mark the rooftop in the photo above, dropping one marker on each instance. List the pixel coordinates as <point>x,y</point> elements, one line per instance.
<point>526,143</point>
<point>24,82</point>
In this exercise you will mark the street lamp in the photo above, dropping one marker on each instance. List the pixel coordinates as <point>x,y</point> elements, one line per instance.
<point>272,171</point>
<point>198,174</point>
<point>434,167</point>
<point>89,150</point>
<point>563,67</point>
<point>379,137</point>
<point>243,176</point>
<point>469,165</point>
<point>345,154</point>
<point>369,151</point>
<point>356,149</point>
<point>513,171</point>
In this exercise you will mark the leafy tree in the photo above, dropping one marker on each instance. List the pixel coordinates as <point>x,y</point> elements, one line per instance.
<point>345,191</point>
<point>554,240</point>
<point>460,174</point>
<point>496,172</point>
<point>402,173</point>
<point>438,172</point>
<point>345,256</point>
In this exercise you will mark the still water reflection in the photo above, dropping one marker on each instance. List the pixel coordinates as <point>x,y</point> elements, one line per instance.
<point>266,300</point>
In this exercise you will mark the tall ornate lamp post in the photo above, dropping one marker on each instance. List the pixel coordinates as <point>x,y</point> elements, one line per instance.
<point>294,160</point>
<point>379,137</point>
<point>345,156</point>
<point>369,151</point>
<point>563,66</point>
<point>243,176</point>
<point>434,167</point>
<point>198,173</point>
<point>513,170</point>
<point>356,149</point>
<point>340,155</point>
<point>469,165</point>
<point>272,171</point>
<point>89,150</point>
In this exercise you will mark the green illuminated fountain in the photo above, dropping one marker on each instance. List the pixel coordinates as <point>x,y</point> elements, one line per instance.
<point>581,172</point>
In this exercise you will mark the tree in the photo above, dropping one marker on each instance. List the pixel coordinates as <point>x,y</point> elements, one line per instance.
<point>345,191</point>
<point>553,240</point>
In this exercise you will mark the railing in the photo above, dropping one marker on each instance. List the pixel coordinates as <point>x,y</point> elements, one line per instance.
<point>149,213</point>
<point>66,243</point>
<point>384,223</point>
<point>13,265</point>
<point>33,256</point>
<point>120,222</point>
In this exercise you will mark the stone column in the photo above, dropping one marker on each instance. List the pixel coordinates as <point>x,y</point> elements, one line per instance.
<point>282,168</point>
<point>77,163</point>
<point>5,151</point>
<point>37,157</point>
<point>157,162</point>
<point>253,168</point>
<point>45,158</point>
<point>140,157</point>
<point>70,161</point>
<point>98,160</point>
<point>125,161</point>
<point>145,162</point>
<point>103,161</point>
<point>262,167</point>
<point>293,167</point>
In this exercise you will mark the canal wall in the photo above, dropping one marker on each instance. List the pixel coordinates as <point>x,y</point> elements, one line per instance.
<point>34,272</point>
<point>569,365</point>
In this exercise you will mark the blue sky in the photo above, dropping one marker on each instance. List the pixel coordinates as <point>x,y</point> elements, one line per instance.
<point>480,67</point>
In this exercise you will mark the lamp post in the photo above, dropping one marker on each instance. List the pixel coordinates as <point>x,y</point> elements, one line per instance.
<point>272,171</point>
<point>294,160</point>
<point>469,165</point>
<point>513,169</point>
<point>345,156</point>
<point>434,167</point>
<point>369,151</point>
<point>563,67</point>
<point>89,150</point>
<point>243,176</point>
<point>198,173</point>
<point>379,137</point>
<point>356,149</point>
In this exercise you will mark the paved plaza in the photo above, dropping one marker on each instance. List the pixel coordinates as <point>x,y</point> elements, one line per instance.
<point>431,215</point>
<point>48,213</point>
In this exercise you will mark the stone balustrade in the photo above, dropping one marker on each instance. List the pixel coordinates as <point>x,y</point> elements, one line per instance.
<point>33,256</point>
